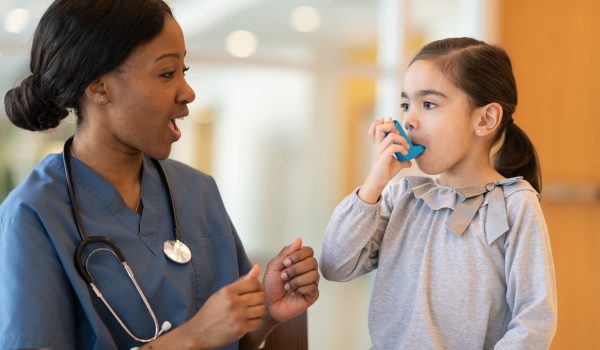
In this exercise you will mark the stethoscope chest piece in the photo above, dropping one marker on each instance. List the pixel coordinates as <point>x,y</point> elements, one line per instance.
<point>177,251</point>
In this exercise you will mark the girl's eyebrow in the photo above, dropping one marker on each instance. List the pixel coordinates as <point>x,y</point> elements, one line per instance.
<point>422,93</point>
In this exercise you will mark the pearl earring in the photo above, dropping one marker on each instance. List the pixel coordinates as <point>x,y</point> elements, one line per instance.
<point>101,99</point>
<point>479,131</point>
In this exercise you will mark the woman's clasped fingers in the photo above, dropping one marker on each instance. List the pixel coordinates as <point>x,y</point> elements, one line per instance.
<point>256,311</point>
<point>301,272</point>
<point>299,255</point>
<point>295,284</point>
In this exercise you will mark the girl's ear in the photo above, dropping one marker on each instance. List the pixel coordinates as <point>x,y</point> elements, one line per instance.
<point>487,119</point>
<point>97,92</point>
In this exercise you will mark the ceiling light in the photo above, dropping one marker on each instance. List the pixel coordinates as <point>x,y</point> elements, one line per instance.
<point>16,20</point>
<point>241,43</point>
<point>305,19</point>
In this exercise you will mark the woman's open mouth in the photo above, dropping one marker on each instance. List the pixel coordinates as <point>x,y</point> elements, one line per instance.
<point>175,131</point>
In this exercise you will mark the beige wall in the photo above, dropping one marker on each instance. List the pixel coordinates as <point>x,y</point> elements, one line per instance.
<point>555,47</point>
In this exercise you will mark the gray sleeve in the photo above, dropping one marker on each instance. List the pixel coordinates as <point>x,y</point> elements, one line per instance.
<point>530,280</point>
<point>353,237</point>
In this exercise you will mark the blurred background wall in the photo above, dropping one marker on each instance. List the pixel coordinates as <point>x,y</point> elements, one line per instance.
<point>555,47</point>
<point>286,90</point>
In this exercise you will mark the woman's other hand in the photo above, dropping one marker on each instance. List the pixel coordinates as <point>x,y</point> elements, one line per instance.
<point>291,282</point>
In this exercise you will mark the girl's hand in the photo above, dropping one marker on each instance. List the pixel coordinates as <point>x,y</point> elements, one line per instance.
<point>228,314</point>
<point>387,142</point>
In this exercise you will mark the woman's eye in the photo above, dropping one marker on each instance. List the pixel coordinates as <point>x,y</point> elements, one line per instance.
<point>428,105</point>
<point>168,75</point>
<point>404,106</point>
<point>171,74</point>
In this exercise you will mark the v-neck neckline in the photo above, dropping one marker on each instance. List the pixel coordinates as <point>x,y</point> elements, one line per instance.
<point>145,225</point>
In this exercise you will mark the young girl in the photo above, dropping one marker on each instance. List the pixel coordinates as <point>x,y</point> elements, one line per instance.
<point>464,258</point>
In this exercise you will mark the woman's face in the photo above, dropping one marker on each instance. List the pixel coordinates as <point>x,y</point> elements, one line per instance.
<point>147,94</point>
<point>437,115</point>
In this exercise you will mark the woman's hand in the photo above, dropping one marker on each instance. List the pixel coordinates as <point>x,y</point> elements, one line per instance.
<point>244,309</point>
<point>387,142</point>
<point>291,282</point>
<point>229,314</point>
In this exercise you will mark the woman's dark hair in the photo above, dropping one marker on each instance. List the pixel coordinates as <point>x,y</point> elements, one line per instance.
<point>75,43</point>
<point>484,73</point>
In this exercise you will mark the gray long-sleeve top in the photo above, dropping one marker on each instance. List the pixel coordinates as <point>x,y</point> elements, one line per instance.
<point>461,269</point>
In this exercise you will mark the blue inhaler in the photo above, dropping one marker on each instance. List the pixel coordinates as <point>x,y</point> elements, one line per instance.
<point>413,150</point>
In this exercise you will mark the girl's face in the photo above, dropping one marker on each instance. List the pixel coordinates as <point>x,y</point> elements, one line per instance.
<point>146,94</point>
<point>437,115</point>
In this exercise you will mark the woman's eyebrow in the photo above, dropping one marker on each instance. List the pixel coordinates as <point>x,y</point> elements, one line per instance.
<point>169,55</point>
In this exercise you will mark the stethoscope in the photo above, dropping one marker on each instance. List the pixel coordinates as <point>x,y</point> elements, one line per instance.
<point>175,250</point>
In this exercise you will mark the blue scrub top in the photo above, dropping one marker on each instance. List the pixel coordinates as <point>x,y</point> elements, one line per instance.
<point>45,303</point>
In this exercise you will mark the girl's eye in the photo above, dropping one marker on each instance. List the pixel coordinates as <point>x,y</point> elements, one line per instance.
<point>185,69</point>
<point>429,105</point>
<point>404,106</point>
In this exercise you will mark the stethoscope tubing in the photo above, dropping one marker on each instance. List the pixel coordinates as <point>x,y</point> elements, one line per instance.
<point>73,197</point>
<point>114,249</point>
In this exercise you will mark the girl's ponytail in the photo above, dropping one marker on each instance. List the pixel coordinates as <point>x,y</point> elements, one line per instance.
<point>517,157</point>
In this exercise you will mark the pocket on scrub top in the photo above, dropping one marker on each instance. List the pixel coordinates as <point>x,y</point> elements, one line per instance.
<point>215,264</point>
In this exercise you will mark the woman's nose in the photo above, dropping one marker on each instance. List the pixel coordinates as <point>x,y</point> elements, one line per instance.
<point>187,94</point>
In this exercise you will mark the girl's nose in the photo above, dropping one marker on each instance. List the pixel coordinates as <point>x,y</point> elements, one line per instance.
<point>410,122</point>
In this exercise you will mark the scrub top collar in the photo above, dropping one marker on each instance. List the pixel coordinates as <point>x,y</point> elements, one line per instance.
<point>153,194</point>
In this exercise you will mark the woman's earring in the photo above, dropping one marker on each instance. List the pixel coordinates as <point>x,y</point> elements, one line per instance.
<point>101,99</point>
<point>478,131</point>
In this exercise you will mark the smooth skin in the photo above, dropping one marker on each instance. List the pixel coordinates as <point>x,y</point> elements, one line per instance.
<point>458,137</point>
<point>131,112</point>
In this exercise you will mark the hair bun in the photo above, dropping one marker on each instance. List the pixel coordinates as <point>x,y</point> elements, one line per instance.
<point>29,107</point>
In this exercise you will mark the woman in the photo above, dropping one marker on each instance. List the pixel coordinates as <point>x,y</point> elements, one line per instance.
<point>119,65</point>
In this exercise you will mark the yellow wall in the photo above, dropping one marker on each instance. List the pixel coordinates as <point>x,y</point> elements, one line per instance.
<point>357,113</point>
<point>555,48</point>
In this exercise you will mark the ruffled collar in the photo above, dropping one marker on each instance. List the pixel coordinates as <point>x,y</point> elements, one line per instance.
<point>465,202</point>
